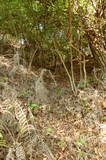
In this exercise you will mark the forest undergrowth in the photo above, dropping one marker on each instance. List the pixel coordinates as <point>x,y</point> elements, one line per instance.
<point>41,119</point>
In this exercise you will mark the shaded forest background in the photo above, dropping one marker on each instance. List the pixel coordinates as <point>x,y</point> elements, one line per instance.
<point>60,35</point>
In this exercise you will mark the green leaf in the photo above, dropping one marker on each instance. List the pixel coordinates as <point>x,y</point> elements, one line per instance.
<point>49,130</point>
<point>2,141</point>
<point>80,142</point>
<point>81,154</point>
<point>103,118</point>
<point>32,106</point>
<point>61,144</point>
<point>1,136</point>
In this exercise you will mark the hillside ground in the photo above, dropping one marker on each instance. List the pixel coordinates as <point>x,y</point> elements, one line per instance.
<point>71,127</point>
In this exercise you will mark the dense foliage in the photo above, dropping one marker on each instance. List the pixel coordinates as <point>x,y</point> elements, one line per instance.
<point>63,25</point>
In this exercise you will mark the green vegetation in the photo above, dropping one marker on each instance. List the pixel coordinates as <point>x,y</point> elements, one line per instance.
<point>2,141</point>
<point>33,106</point>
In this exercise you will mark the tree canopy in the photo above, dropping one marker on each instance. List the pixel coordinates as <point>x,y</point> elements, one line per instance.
<point>64,25</point>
